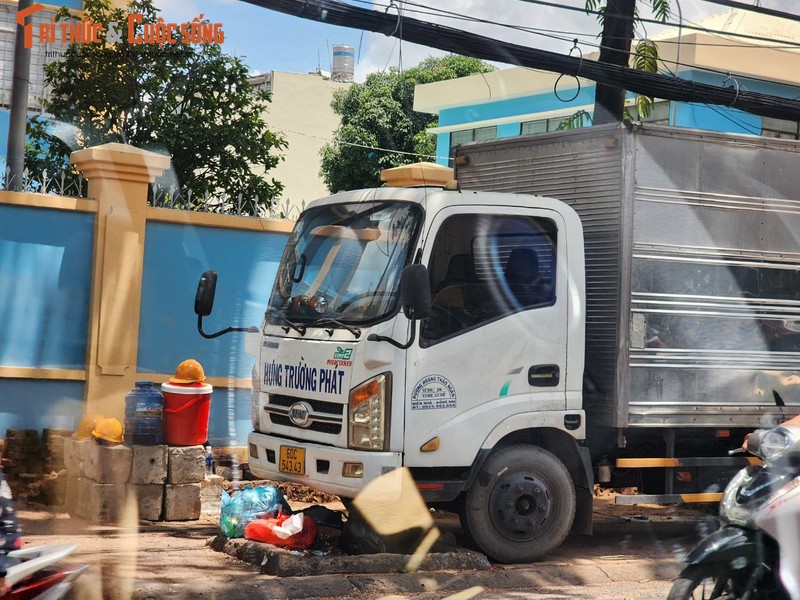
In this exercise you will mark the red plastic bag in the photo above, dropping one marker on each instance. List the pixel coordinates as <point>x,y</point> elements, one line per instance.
<point>274,531</point>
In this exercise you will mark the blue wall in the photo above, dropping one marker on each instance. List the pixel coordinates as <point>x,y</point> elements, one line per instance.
<point>37,404</point>
<point>175,257</point>
<point>45,276</point>
<point>229,421</point>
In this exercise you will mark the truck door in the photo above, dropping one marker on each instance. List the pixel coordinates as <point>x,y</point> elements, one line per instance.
<point>495,344</point>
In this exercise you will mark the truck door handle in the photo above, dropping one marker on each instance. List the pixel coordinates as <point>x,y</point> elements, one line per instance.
<point>544,375</point>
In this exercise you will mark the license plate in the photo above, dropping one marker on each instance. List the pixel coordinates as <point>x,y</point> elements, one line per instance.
<point>292,460</point>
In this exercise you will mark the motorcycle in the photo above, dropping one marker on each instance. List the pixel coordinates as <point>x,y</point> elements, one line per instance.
<point>755,555</point>
<point>35,573</point>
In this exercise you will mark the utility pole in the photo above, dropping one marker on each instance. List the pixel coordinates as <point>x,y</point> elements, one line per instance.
<point>609,102</point>
<point>18,117</point>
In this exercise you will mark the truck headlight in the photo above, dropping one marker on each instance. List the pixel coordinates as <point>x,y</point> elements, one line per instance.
<point>369,414</point>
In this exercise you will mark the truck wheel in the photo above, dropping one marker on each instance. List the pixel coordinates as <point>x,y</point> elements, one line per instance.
<point>521,505</point>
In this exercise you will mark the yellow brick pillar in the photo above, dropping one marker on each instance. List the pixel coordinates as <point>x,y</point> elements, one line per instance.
<point>118,177</point>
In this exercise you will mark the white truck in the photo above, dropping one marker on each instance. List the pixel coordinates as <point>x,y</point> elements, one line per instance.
<point>445,330</point>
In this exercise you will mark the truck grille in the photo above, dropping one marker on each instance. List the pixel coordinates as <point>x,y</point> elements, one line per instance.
<point>326,417</point>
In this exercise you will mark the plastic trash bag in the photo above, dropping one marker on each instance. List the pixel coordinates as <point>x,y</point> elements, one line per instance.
<point>359,537</point>
<point>249,504</point>
<point>295,532</point>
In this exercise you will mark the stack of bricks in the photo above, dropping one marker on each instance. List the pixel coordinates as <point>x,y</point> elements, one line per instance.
<point>52,448</point>
<point>21,453</point>
<point>163,481</point>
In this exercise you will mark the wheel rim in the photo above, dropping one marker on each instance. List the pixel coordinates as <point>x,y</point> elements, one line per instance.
<point>520,506</point>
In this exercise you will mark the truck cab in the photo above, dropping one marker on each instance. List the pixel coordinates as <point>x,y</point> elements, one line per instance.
<point>437,330</point>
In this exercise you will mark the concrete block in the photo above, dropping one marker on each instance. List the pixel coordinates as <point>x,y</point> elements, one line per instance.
<point>149,465</point>
<point>211,494</point>
<point>108,464</point>
<point>101,502</point>
<point>187,464</point>
<point>182,502</point>
<point>73,499</point>
<point>149,500</point>
<point>75,452</point>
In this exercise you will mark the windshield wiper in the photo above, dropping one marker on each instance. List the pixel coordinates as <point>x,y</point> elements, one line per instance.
<point>274,313</point>
<point>354,330</point>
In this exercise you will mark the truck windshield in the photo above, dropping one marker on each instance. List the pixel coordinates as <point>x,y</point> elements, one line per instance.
<point>343,263</point>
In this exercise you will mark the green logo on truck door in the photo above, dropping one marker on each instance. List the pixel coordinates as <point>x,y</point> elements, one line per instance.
<point>342,353</point>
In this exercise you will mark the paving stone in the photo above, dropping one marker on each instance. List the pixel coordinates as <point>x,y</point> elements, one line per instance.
<point>149,500</point>
<point>187,464</point>
<point>148,465</point>
<point>182,502</point>
<point>107,464</point>
<point>278,561</point>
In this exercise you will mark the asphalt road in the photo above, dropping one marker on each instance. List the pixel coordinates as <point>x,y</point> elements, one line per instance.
<point>634,554</point>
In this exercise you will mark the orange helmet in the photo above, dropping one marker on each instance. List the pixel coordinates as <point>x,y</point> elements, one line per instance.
<point>85,427</point>
<point>108,430</point>
<point>189,371</point>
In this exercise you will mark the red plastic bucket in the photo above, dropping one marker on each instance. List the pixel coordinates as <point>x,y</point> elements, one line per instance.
<point>186,409</point>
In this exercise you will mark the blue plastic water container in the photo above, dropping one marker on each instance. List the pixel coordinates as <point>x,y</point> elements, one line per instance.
<point>144,412</point>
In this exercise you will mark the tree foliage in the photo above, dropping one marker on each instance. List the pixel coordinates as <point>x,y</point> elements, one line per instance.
<point>379,128</point>
<point>186,99</point>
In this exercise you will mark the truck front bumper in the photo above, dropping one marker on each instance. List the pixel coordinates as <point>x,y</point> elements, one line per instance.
<point>323,466</point>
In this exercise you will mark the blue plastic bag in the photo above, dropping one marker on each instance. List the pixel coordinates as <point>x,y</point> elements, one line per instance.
<point>248,504</point>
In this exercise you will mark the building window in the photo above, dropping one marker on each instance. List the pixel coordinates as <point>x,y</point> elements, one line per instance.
<point>542,125</point>
<point>778,128</point>
<point>659,113</point>
<point>480,134</point>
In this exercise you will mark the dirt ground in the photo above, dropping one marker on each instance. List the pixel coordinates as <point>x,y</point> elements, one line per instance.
<point>157,560</point>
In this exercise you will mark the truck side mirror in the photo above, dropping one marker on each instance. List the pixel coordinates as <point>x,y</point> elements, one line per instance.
<point>204,302</point>
<point>415,292</point>
<point>415,298</point>
<point>204,298</point>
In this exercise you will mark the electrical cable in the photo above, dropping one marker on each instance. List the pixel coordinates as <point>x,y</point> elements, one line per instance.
<point>757,9</point>
<point>442,12</point>
<point>366,146</point>
<point>657,22</point>
<point>549,33</point>
<point>467,44</point>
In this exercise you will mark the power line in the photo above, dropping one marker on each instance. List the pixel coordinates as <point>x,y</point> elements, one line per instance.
<point>684,25</point>
<point>572,36</point>
<point>758,9</point>
<point>340,142</point>
<point>468,44</point>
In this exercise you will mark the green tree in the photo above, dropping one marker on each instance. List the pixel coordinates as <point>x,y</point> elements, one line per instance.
<point>379,128</point>
<point>188,100</point>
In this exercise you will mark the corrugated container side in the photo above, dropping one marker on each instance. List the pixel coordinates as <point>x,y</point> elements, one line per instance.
<point>716,269</point>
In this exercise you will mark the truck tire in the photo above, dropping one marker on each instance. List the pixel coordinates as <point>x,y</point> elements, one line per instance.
<point>521,505</point>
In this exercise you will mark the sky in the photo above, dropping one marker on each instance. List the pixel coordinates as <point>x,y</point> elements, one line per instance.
<point>267,40</point>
